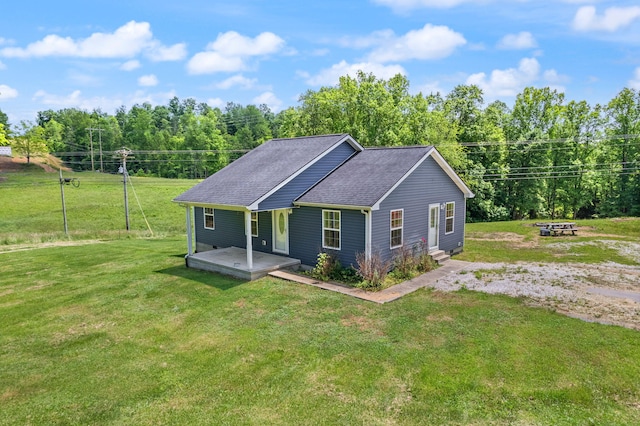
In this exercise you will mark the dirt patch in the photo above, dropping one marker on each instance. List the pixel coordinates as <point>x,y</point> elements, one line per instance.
<point>23,247</point>
<point>49,164</point>
<point>607,293</point>
<point>511,238</point>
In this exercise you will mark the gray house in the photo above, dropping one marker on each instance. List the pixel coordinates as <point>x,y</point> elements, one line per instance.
<point>294,198</point>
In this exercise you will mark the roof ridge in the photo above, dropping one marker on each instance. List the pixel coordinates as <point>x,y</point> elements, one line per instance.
<point>311,136</point>
<point>397,147</point>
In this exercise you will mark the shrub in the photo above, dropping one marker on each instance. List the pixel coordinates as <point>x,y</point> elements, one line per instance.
<point>404,263</point>
<point>373,270</point>
<point>325,266</point>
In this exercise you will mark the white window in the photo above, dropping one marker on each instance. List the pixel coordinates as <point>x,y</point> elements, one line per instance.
<point>209,222</point>
<point>331,229</point>
<point>254,224</point>
<point>396,228</point>
<point>450,211</point>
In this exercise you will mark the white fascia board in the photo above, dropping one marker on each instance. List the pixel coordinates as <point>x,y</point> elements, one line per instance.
<point>347,138</point>
<point>213,206</point>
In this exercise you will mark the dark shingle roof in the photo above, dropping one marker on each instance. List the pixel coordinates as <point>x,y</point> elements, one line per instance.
<point>366,177</point>
<point>259,171</point>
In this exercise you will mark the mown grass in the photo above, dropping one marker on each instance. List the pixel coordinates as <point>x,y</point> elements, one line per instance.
<point>521,241</point>
<point>120,332</point>
<point>32,207</point>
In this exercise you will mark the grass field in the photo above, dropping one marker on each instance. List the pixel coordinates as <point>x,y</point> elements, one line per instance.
<point>120,332</point>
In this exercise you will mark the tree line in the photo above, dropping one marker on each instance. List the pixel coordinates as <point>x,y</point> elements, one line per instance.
<point>540,157</point>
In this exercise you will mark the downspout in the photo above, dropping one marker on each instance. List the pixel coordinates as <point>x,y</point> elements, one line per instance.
<point>247,229</point>
<point>367,233</point>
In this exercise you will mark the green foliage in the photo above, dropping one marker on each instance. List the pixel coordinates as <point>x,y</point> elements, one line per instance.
<point>30,142</point>
<point>3,135</point>
<point>542,157</point>
<point>328,268</point>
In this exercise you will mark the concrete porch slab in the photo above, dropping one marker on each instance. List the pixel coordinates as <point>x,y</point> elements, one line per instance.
<point>233,261</point>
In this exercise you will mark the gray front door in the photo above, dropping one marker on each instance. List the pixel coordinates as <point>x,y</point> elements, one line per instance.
<point>280,221</point>
<point>434,226</point>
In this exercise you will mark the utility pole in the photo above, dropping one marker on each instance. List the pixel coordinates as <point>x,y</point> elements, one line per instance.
<point>64,206</point>
<point>123,154</point>
<point>66,181</point>
<point>99,130</point>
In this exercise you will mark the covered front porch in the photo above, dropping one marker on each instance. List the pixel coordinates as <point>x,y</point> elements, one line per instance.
<point>233,261</point>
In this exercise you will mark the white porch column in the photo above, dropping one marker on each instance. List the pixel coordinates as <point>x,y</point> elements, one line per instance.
<point>247,231</point>
<point>189,231</point>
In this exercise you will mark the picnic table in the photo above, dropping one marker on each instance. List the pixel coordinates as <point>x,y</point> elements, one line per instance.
<point>557,228</point>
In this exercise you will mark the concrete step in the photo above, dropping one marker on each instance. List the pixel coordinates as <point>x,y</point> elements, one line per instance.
<point>439,256</point>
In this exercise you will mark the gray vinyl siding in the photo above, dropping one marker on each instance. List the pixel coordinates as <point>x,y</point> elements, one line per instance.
<point>229,230</point>
<point>428,184</point>
<point>284,197</point>
<point>305,237</point>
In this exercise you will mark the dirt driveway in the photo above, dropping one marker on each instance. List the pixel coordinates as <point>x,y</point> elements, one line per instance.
<point>607,293</point>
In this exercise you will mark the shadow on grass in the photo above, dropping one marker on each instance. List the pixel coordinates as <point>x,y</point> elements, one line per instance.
<point>212,279</point>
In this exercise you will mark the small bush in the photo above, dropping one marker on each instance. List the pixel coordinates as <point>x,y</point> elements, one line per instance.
<point>373,270</point>
<point>404,263</point>
<point>326,267</point>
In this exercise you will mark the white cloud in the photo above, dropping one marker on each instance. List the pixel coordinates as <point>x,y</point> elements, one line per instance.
<point>509,82</point>
<point>216,102</point>
<point>76,100</point>
<point>130,65</point>
<point>331,76</point>
<point>613,19</point>
<point>429,42</point>
<point>148,80</point>
<point>160,53</point>
<point>7,92</point>
<point>429,88</point>
<point>376,38</point>
<point>522,40</point>
<point>407,5</point>
<point>269,99</point>
<point>127,41</point>
<point>237,80</point>
<point>230,52</point>
<point>2,66</point>
<point>634,83</point>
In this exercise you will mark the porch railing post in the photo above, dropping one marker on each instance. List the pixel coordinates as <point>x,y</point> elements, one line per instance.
<point>189,231</point>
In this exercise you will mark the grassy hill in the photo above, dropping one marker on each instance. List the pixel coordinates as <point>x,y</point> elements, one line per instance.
<point>104,329</point>
<point>32,206</point>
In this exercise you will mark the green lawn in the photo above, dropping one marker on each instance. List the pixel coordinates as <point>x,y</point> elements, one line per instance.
<point>120,332</point>
<point>32,207</point>
<point>521,241</point>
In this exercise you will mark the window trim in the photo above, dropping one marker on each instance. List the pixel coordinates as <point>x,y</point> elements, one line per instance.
<point>392,228</point>
<point>256,224</point>
<point>452,217</point>
<point>339,229</point>
<point>205,214</point>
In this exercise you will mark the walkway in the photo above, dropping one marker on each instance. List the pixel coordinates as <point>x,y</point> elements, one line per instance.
<point>388,294</point>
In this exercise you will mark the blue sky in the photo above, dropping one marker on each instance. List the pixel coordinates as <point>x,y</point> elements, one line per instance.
<point>104,54</point>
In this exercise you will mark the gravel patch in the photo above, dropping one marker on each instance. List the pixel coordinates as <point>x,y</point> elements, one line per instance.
<point>606,293</point>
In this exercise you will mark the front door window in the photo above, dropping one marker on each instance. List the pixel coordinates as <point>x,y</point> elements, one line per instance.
<point>434,225</point>
<point>280,231</point>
